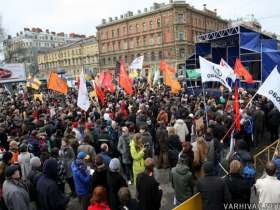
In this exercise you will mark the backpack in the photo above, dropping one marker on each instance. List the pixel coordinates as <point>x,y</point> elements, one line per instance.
<point>248,171</point>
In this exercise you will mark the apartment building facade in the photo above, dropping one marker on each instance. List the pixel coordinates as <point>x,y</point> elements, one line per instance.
<point>70,58</point>
<point>163,32</point>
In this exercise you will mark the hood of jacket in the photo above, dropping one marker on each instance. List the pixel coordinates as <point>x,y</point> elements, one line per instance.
<point>180,122</point>
<point>182,169</point>
<point>50,168</point>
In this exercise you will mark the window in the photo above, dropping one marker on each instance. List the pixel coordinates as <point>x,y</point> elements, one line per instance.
<point>103,61</point>
<point>126,60</point>
<point>144,27</point>
<point>153,57</point>
<point>180,18</point>
<point>158,23</point>
<point>137,27</point>
<point>119,45</point>
<point>182,52</point>
<point>159,38</point>
<point>118,32</point>
<point>181,36</point>
<point>113,33</point>
<point>131,45</point>
<point>160,55</point>
<point>144,41</point>
<point>137,41</point>
<point>109,60</point>
<point>132,58</point>
<point>124,30</point>
<point>151,24</point>
<point>130,28</point>
<point>151,39</point>
<point>114,59</point>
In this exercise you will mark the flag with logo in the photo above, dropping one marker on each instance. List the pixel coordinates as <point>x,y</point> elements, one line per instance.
<point>228,69</point>
<point>137,63</point>
<point>33,82</point>
<point>83,99</point>
<point>57,84</point>
<point>271,87</point>
<point>211,72</point>
<point>124,81</point>
<point>241,71</point>
<point>193,73</point>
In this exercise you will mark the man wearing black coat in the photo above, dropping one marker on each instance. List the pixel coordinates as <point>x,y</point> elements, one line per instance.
<point>49,195</point>
<point>148,189</point>
<point>213,189</point>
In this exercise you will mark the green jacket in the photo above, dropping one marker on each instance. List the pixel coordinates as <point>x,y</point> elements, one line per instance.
<point>181,179</point>
<point>138,159</point>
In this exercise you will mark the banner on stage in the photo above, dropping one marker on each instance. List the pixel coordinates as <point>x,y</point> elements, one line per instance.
<point>12,73</point>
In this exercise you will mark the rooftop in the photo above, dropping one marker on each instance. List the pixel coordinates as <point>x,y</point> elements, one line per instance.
<point>157,7</point>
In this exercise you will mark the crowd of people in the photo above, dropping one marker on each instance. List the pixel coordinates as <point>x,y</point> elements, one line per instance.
<point>53,152</point>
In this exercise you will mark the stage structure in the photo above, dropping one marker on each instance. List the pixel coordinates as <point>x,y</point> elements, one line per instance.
<point>257,51</point>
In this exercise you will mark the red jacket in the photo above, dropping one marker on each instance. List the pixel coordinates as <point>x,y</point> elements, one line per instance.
<point>99,206</point>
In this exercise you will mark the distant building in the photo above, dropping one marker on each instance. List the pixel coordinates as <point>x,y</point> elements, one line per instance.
<point>2,37</point>
<point>71,58</point>
<point>23,47</point>
<point>162,32</point>
<point>249,22</point>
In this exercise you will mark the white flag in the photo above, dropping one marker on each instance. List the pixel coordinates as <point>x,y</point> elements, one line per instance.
<point>156,77</point>
<point>228,70</point>
<point>271,88</point>
<point>211,72</point>
<point>137,63</point>
<point>83,100</point>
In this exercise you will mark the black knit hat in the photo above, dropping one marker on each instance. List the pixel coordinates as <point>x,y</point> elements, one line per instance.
<point>10,170</point>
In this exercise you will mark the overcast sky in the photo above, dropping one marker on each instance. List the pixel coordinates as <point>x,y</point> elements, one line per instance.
<point>81,16</point>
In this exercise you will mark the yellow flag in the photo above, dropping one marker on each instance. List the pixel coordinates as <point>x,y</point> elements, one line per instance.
<point>33,82</point>
<point>133,74</point>
<point>38,97</point>
<point>92,94</point>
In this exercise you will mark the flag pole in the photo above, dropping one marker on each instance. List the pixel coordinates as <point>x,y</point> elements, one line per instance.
<point>205,107</point>
<point>232,125</point>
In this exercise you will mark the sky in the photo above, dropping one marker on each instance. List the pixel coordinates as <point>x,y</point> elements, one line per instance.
<point>82,16</point>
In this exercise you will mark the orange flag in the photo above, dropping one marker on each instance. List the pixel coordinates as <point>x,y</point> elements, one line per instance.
<point>170,81</point>
<point>241,71</point>
<point>57,84</point>
<point>124,80</point>
<point>163,67</point>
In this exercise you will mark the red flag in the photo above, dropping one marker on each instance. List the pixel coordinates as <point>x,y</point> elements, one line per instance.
<point>241,71</point>
<point>236,107</point>
<point>99,94</point>
<point>124,81</point>
<point>107,82</point>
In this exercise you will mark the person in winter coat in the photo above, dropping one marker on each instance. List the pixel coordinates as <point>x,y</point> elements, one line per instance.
<point>67,156</point>
<point>276,160</point>
<point>87,148</point>
<point>126,201</point>
<point>104,154</point>
<point>163,116</point>
<point>49,195</point>
<point>124,149</point>
<point>33,177</point>
<point>200,149</point>
<point>181,180</point>
<point>239,190</point>
<point>137,154</point>
<point>115,182</point>
<point>174,147</point>
<point>161,137</point>
<point>181,129</point>
<point>213,189</point>
<point>273,123</point>
<point>24,160</point>
<point>34,144</point>
<point>148,189</point>
<point>15,192</point>
<point>258,121</point>
<point>99,177</point>
<point>147,141</point>
<point>99,199</point>
<point>60,169</point>
<point>82,179</point>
